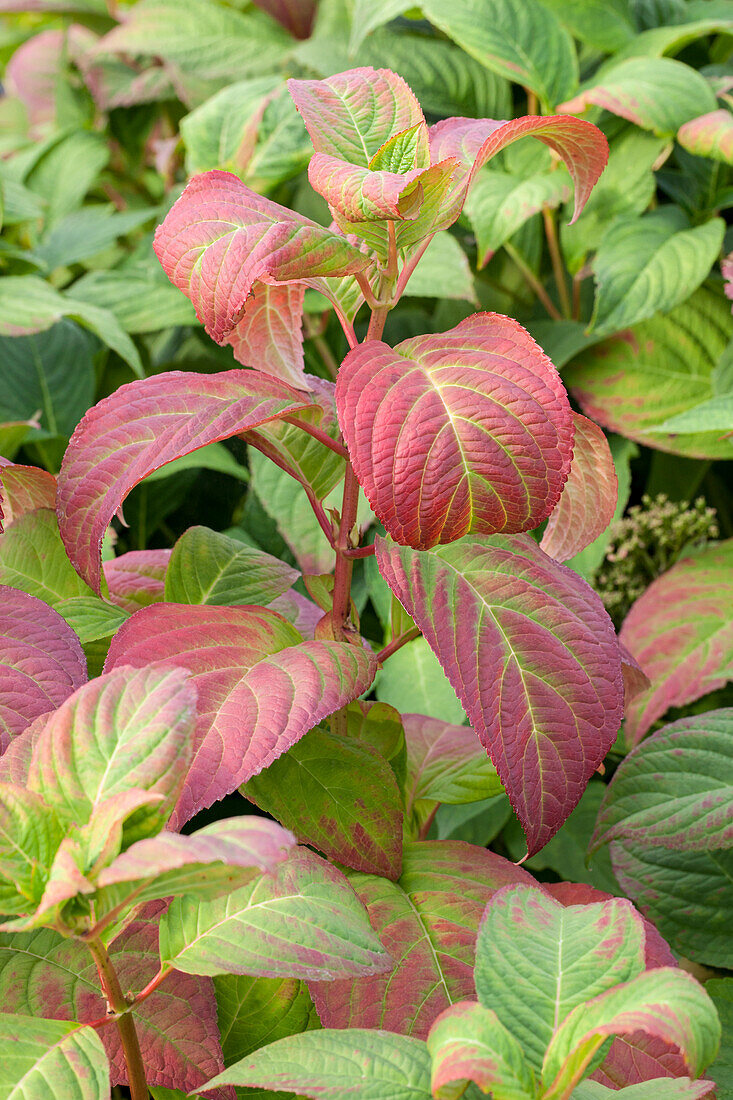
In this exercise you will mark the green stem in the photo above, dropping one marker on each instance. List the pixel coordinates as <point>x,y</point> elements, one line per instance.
<point>117,1003</point>
<point>532,281</point>
<point>558,267</point>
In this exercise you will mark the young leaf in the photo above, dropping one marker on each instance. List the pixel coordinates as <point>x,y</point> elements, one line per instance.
<point>41,659</point>
<point>356,194</point>
<point>534,628</point>
<point>676,633</point>
<point>358,1063</point>
<point>675,789</point>
<point>127,729</point>
<point>51,1060</point>
<point>30,835</point>
<point>210,568</point>
<point>665,1003</point>
<point>136,579</point>
<point>303,921</point>
<point>140,428</point>
<point>468,1043</point>
<point>428,922</point>
<point>478,414</point>
<point>588,501</point>
<point>446,763</point>
<point>260,686</point>
<point>23,489</point>
<point>537,960</point>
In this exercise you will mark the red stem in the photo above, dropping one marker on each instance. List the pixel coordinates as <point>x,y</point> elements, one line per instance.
<point>397,643</point>
<point>319,434</point>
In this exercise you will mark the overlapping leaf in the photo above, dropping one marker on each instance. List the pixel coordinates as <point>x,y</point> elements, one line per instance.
<point>140,428</point>
<point>677,634</point>
<point>33,559</point>
<point>30,836</point>
<point>446,763</point>
<point>428,922</point>
<point>207,567</point>
<point>499,611</point>
<point>588,500</point>
<point>41,659</point>
<point>467,1043</point>
<point>23,489</point>
<point>710,135</point>
<point>256,1011</point>
<point>500,203</point>
<point>470,430</point>
<point>51,1060</point>
<point>136,579</point>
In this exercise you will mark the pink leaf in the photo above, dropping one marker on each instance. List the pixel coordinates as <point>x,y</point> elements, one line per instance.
<point>41,659</point>
<point>428,922</point>
<point>136,579</point>
<point>220,240</point>
<point>23,489</point>
<point>141,427</point>
<point>259,690</point>
<point>473,142</point>
<point>295,15</point>
<point>352,114</point>
<point>33,72</point>
<point>677,634</point>
<point>709,135</point>
<point>588,500</point>
<point>635,679</point>
<point>359,194</point>
<point>445,763</point>
<point>726,270</point>
<point>270,336</point>
<point>531,654</point>
<point>468,430</point>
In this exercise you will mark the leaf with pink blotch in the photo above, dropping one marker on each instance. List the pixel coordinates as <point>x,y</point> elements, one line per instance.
<point>468,430</point>
<point>43,974</point>
<point>141,427</point>
<point>588,501</point>
<point>428,922</point>
<point>137,579</point>
<point>676,632</point>
<point>221,242</point>
<point>41,659</point>
<point>468,1043</point>
<point>446,763</point>
<point>23,489</point>
<point>260,686</point>
<point>531,654</point>
<point>710,135</point>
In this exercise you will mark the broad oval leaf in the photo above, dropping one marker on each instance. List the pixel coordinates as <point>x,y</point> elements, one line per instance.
<point>51,1060</point>
<point>588,501</point>
<point>207,567</point>
<point>136,579</point>
<point>675,789</point>
<point>537,630</point>
<point>140,428</point>
<point>470,430</point>
<point>710,135</point>
<point>303,921</point>
<point>676,632</point>
<point>467,1043</point>
<point>256,1011</point>
<point>41,659</point>
<point>428,922</point>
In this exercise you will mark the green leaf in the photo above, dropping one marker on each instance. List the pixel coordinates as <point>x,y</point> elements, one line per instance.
<point>51,1060</point>
<point>370,14</point>
<point>721,1071</point>
<point>605,25</point>
<point>210,568</point>
<point>537,960</point>
<point>666,1003</point>
<point>651,264</point>
<point>499,203</point>
<point>65,169</point>
<point>85,232</point>
<point>442,272</point>
<point>446,763</point>
<point>412,681</point>
<point>30,834</point>
<point>518,39</point>
<point>469,1043</point>
<point>33,558</point>
<point>339,796</point>
<point>138,295</point>
<point>674,37</point>
<point>358,1063</point>
<point>221,132</point>
<point>632,383</point>
<point>713,415</point>
<point>305,921</point>
<point>214,456</point>
<point>255,1011</point>
<point>660,1088</point>
<point>90,617</point>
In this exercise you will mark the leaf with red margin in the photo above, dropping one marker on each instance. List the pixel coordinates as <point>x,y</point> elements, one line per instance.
<point>446,763</point>
<point>260,687</point>
<point>43,974</point>
<point>710,135</point>
<point>137,579</point>
<point>359,194</point>
<point>428,922</point>
<point>468,1043</point>
<point>220,240</point>
<point>588,500</point>
<point>531,654</point>
<point>468,430</point>
<point>141,427</point>
<point>352,114</point>
<point>23,489</point>
<point>41,659</point>
<point>676,632</point>
<point>473,142</point>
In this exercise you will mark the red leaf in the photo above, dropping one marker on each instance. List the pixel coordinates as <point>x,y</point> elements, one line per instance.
<point>270,336</point>
<point>140,428</point>
<point>428,921</point>
<point>41,660</point>
<point>588,500</point>
<point>260,687</point>
<point>295,15</point>
<point>23,489</point>
<point>137,579</point>
<point>468,430</point>
<point>531,654</point>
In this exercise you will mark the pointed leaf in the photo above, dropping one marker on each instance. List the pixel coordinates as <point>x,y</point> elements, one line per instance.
<point>30,835</point>
<point>538,631</point>
<point>91,618</point>
<point>359,194</point>
<point>588,501</point>
<point>469,430</point>
<point>500,203</point>
<point>136,579</point>
<point>428,922</point>
<point>51,1060</point>
<point>126,729</point>
<point>140,428</point>
<point>710,135</point>
<point>665,1003</point>
<point>469,1043</point>
<point>536,960</point>
<point>446,763</point>
<point>676,632</point>
<point>303,921</point>
<point>41,659</point>
<point>443,271</point>
<point>340,797</point>
<point>210,568</point>
<point>656,1089</point>
<point>23,489</point>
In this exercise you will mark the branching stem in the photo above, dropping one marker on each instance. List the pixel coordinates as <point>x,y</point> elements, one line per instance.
<point>397,643</point>
<point>119,1005</point>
